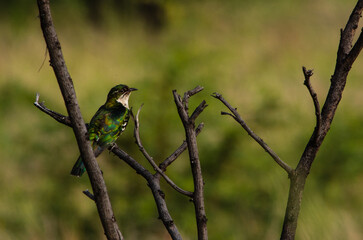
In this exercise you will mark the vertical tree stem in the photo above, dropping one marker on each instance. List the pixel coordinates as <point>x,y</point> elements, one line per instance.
<point>347,54</point>
<point>66,86</point>
<point>191,139</point>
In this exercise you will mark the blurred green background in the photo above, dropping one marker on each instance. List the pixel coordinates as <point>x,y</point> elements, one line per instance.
<point>249,51</point>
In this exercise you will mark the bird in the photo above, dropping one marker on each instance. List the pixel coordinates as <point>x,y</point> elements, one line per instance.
<point>107,124</point>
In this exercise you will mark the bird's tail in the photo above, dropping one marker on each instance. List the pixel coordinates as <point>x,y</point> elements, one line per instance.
<point>78,168</point>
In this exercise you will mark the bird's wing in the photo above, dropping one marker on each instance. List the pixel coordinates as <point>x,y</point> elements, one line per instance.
<point>106,125</point>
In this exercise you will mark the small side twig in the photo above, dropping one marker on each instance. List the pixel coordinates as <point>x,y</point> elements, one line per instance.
<point>58,117</point>
<point>198,110</point>
<point>89,194</point>
<point>314,96</point>
<point>188,94</point>
<point>235,115</point>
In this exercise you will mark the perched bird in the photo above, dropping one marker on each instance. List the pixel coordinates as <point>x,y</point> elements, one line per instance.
<point>108,123</point>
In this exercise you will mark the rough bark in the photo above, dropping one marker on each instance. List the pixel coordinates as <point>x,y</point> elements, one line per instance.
<point>80,131</point>
<point>191,139</point>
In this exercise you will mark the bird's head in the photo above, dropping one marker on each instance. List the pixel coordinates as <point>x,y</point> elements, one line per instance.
<point>120,94</point>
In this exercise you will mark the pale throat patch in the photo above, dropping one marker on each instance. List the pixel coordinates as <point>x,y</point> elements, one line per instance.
<point>124,100</point>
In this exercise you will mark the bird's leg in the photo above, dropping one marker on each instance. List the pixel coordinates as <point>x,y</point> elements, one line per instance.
<point>112,146</point>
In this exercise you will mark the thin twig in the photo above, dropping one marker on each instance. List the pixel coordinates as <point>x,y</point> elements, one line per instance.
<point>198,110</point>
<point>188,94</point>
<point>151,160</point>
<point>314,96</point>
<point>58,117</point>
<point>192,92</point>
<point>89,195</point>
<point>169,160</point>
<point>239,119</point>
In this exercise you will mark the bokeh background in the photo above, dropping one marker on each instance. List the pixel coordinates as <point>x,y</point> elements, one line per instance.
<point>249,51</point>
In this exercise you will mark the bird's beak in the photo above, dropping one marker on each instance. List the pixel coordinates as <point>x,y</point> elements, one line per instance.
<point>132,89</point>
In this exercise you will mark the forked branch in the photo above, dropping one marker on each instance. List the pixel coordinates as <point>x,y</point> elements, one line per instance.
<point>65,83</point>
<point>151,160</point>
<point>191,139</point>
<point>153,180</point>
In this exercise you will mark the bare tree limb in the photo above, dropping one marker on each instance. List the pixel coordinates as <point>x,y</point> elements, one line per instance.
<point>188,123</point>
<point>188,94</point>
<point>66,86</point>
<point>198,111</point>
<point>158,194</point>
<point>346,56</point>
<point>151,160</point>
<point>347,35</point>
<point>89,195</point>
<point>58,117</point>
<point>169,160</point>
<point>153,181</point>
<point>259,140</point>
<point>314,96</point>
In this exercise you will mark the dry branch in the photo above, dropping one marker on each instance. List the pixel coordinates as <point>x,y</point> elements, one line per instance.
<point>345,58</point>
<point>153,180</point>
<point>191,139</point>
<point>154,185</point>
<point>235,115</point>
<point>151,160</point>
<point>66,86</point>
<point>314,96</point>
<point>169,160</point>
<point>347,54</point>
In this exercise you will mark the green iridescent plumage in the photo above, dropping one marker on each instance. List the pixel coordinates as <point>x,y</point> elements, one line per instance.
<point>108,123</point>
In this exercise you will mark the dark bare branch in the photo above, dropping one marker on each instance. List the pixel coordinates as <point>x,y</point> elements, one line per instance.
<point>191,140</point>
<point>154,184</point>
<point>239,119</point>
<point>153,181</point>
<point>169,160</point>
<point>89,195</point>
<point>347,35</point>
<point>357,48</point>
<point>188,94</point>
<point>198,110</point>
<point>151,160</point>
<point>181,104</point>
<point>314,96</point>
<point>229,114</point>
<point>58,117</point>
<point>66,85</point>
<point>345,58</point>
